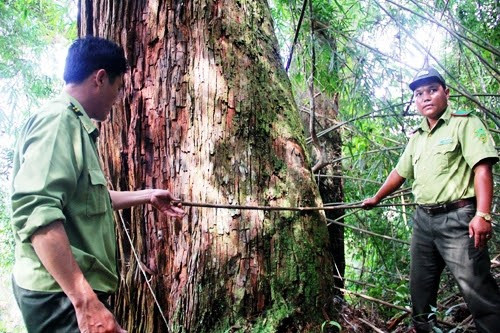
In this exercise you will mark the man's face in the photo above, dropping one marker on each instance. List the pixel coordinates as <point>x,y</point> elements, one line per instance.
<point>431,99</point>
<point>108,94</point>
<point>114,91</point>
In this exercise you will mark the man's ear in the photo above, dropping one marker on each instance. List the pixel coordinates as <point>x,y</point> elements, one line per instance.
<point>447,92</point>
<point>100,76</point>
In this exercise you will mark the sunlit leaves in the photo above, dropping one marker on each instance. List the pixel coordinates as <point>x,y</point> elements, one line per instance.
<point>27,29</point>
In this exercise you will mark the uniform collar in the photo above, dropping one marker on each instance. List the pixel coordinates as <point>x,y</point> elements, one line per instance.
<point>76,107</point>
<point>445,117</point>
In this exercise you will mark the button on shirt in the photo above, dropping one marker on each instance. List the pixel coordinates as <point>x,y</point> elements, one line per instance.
<point>441,160</point>
<point>57,176</point>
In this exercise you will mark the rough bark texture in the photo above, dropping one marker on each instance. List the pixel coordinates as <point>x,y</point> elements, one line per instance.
<point>328,177</point>
<point>208,113</point>
<point>331,188</point>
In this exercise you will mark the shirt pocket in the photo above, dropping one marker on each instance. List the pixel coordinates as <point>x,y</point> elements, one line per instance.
<point>97,195</point>
<point>443,156</point>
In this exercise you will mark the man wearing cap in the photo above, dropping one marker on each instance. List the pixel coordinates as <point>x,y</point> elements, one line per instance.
<point>450,158</point>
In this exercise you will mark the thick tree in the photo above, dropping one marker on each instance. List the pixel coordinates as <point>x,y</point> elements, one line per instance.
<point>208,113</point>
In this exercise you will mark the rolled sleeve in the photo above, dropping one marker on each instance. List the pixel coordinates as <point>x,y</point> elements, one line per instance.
<point>476,141</point>
<point>41,216</point>
<point>46,173</point>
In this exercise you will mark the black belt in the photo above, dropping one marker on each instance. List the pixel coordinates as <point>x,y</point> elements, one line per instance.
<point>447,207</point>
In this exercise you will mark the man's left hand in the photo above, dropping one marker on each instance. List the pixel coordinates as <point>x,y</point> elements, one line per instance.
<point>166,203</point>
<point>481,230</point>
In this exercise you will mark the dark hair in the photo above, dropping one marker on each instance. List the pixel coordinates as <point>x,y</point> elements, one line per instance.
<point>89,54</point>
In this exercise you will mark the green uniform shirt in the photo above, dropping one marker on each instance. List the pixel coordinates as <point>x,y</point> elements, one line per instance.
<point>57,176</point>
<point>441,160</point>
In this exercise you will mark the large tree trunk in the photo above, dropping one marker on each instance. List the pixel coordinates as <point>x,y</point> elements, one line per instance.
<point>208,113</point>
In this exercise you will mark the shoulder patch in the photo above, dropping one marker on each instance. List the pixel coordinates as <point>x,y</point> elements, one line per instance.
<point>74,108</point>
<point>415,130</point>
<point>461,113</point>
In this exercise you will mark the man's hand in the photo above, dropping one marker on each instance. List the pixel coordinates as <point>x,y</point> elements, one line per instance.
<point>165,203</point>
<point>481,230</point>
<point>370,203</point>
<point>52,247</point>
<point>391,184</point>
<point>93,316</point>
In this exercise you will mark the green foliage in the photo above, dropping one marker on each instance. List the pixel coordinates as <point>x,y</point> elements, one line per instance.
<point>330,323</point>
<point>28,28</point>
<point>6,238</point>
<point>28,31</point>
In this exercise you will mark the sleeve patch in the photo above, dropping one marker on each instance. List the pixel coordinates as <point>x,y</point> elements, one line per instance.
<point>481,134</point>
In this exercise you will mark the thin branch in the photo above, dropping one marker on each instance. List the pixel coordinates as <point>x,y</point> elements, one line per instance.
<point>373,327</point>
<point>296,37</point>
<point>477,95</point>
<point>343,34</point>
<point>373,299</point>
<point>457,35</point>
<point>365,153</point>
<point>371,233</point>
<point>382,272</point>
<point>370,298</point>
<point>464,90</point>
<point>488,46</point>
<point>347,177</point>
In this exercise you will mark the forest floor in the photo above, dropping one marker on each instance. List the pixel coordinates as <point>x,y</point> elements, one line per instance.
<point>364,317</point>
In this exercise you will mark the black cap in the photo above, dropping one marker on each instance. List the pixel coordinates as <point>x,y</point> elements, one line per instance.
<point>426,75</point>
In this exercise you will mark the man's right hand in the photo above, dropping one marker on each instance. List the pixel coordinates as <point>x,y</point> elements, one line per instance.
<point>370,203</point>
<point>52,247</point>
<point>93,316</point>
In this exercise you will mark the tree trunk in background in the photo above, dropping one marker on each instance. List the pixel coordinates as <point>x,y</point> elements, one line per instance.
<point>328,177</point>
<point>208,113</point>
<point>331,188</point>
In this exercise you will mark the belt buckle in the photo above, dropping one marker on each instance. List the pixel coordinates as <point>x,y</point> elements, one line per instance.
<point>427,209</point>
<point>437,209</point>
<point>442,207</point>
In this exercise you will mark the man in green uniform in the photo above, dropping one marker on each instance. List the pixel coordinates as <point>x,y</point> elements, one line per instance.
<point>450,158</point>
<point>62,211</point>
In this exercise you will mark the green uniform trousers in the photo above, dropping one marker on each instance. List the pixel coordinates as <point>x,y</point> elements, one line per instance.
<point>47,312</point>
<point>443,239</point>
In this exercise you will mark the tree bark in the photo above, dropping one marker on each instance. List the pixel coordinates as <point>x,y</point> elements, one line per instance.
<point>208,113</point>
<point>331,189</point>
